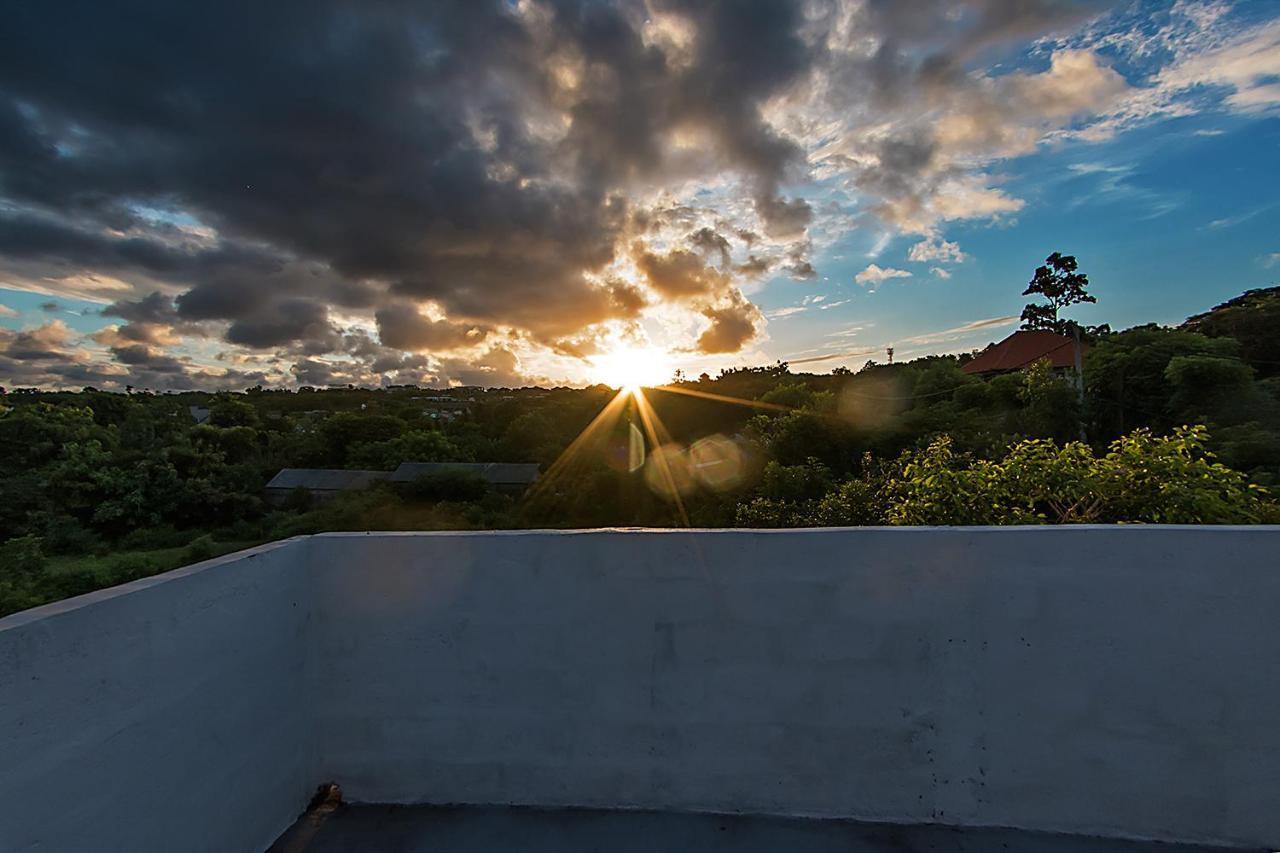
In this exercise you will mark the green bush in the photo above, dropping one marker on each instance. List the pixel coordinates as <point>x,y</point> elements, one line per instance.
<point>1143,478</point>
<point>130,567</point>
<point>201,548</point>
<point>55,587</point>
<point>63,534</point>
<point>152,538</point>
<point>22,557</point>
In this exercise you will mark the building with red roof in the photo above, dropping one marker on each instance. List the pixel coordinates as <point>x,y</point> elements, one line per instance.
<point>1022,349</point>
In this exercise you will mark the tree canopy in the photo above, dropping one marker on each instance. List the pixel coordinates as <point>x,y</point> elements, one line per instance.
<point>1062,285</point>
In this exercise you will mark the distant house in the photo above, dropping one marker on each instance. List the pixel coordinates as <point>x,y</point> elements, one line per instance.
<point>1022,349</point>
<point>503,476</point>
<point>326,483</point>
<point>322,483</point>
<point>199,414</point>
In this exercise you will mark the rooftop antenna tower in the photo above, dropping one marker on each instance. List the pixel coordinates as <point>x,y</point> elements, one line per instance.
<point>889,351</point>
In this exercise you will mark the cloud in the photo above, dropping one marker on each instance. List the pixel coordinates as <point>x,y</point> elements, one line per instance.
<point>543,173</point>
<point>734,324</point>
<point>1247,65</point>
<point>962,331</point>
<point>874,274</point>
<point>498,367</point>
<point>920,342</point>
<point>835,355</point>
<point>285,322</point>
<point>754,266</point>
<point>47,356</point>
<point>1206,58</point>
<point>483,158</point>
<point>139,333</point>
<point>43,343</point>
<point>1239,218</point>
<point>1271,260</point>
<point>680,274</point>
<point>936,249</point>
<point>404,327</point>
<point>939,272</point>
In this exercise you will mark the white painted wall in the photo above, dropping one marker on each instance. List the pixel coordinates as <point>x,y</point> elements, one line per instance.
<point>1120,681</point>
<point>168,714</point>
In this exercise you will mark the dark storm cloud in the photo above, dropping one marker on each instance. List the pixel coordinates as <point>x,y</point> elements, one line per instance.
<point>145,358</point>
<point>710,242</point>
<point>403,327</point>
<point>155,307</point>
<point>283,322</point>
<point>389,142</point>
<point>278,165</point>
<point>46,237</point>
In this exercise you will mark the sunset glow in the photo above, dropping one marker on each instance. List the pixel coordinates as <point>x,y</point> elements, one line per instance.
<point>629,368</point>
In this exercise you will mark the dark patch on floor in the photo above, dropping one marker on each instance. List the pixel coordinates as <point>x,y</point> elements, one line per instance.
<point>474,829</point>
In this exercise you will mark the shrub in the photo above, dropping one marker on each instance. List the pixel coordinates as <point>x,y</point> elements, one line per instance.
<point>201,548</point>
<point>1142,478</point>
<point>853,503</point>
<point>131,567</point>
<point>153,538</point>
<point>68,583</point>
<point>22,557</point>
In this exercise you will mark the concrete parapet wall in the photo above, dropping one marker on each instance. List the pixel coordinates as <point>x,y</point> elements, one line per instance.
<point>168,714</point>
<point>1114,681</point>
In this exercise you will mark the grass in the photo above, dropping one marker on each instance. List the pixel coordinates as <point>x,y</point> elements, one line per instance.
<point>106,566</point>
<point>58,577</point>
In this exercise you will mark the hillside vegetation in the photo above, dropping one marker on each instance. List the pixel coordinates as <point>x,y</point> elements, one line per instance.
<point>1179,425</point>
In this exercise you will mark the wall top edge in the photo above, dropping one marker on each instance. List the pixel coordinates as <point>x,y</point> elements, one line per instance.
<point>59,608</point>
<point>1042,529</point>
<point>68,605</point>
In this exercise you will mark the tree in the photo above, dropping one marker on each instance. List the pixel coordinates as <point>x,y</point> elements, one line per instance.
<point>1253,319</point>
<point>1142,478</point>
<point>1062,286</point>
<point>1128,381</point>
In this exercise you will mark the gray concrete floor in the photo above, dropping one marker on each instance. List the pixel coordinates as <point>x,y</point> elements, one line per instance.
<point>430,829</point>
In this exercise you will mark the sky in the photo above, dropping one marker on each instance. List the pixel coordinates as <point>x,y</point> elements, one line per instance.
<point>216,196</point>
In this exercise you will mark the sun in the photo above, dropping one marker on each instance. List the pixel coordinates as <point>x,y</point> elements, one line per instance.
<point>630,368</point>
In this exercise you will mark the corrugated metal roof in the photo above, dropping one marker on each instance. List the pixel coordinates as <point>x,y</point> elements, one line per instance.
<point>495,473</point>
<point>1023,348</point>
<point>325,479</point>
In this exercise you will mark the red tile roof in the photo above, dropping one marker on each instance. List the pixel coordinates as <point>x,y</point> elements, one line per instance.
<point>1023,348</point>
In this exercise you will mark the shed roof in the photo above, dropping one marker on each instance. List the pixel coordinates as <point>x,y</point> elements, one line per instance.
<point>494,473</point>
<point>325,479</point>
<point>1023,348</point>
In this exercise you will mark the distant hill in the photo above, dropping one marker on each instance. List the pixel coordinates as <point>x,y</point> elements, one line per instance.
<point>1253,319</point>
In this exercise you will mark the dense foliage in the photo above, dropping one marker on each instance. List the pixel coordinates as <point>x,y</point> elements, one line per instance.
<point>1171,426</point>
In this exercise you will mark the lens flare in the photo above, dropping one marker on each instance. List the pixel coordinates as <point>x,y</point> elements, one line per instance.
<point>645,446</point>
<point>718,463</point>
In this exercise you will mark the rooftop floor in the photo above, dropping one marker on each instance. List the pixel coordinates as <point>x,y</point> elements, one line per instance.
<point>432,829</point>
